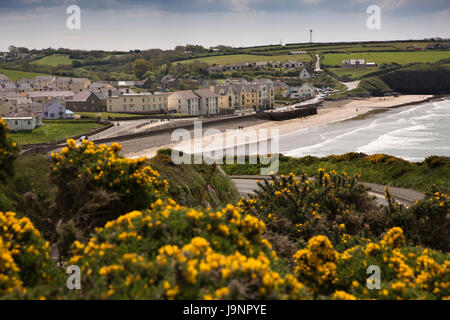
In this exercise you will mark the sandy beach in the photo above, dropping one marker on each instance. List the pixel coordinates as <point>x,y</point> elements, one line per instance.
<point>331,112</point>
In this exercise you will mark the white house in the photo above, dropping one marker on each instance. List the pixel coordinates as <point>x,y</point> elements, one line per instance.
<point>54,110</point>
<point>21,123</point>
<point>307,91</point>
<point>353,63</point>
<point>22,120</point>
<point>304,74</point>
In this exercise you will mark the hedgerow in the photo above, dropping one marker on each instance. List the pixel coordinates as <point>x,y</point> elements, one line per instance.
<point>8,151</point>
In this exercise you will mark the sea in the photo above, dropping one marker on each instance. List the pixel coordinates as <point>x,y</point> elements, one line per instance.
<point>412,132</point>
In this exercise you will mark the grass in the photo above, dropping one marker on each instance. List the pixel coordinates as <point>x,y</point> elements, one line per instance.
<point>352,73</point>
<point>54,130</point>
<point>335,59</point>
<point>239,58</point>
<point>54,60</point>
<point>15,75</point>
<point>418,176</point>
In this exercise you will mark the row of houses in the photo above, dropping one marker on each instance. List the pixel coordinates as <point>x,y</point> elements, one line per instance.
<point>290,64</point>
<point>30,117</point>
<point>217,99</point>
<point>44,83</point>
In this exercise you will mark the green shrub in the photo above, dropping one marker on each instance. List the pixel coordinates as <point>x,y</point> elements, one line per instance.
<point>8,151</point>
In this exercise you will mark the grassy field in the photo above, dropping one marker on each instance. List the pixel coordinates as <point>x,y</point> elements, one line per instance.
<point>352,73</point>
<point>15,75</point>
<point>54,130</point>
<point>54,60</point>
<point>341,47</point>
<point>239,58</point>
<point>335,59</point>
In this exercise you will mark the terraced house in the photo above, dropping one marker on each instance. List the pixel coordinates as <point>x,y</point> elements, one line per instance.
<point>257,96</point>
<point>185,102</point>
<point>138,102</point>
<point>194,102</point>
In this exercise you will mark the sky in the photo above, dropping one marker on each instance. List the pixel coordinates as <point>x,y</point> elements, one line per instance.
<point>136,24</point>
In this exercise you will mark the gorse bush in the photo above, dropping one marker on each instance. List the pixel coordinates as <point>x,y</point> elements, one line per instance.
<point>427,223</point>
<point>296,238</point>
<point>330,204</point>
<point>24,258</point>
<point>173,252</point>
<point>96,185</point>
<point>8,151</point>
<point>406,272</point>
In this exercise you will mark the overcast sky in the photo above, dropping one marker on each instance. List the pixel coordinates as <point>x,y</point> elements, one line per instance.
<point>137,24</point>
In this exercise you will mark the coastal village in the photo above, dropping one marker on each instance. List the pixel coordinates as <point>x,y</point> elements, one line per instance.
<point>251,166</point>
<point>25,103</point>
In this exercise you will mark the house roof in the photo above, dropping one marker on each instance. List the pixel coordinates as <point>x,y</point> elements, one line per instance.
<point>79,80</point>
<point>82,96</point>
<point>185,94</point>
<point>44,78</point>
<point>21,113</point>
<point>50,94</point>
<point>63,80</point>
<point>205,93</point>
<point>3,77</point>
<point>308,85</point>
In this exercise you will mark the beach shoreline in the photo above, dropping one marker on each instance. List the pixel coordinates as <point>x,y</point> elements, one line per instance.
<point>330,112</point>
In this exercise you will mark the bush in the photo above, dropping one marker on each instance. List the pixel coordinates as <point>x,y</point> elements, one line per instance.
<point>8,151</point>
<point>24,258</point>
<point>96,185</point>
<point>437,162</point>
<point>330,204</point>
<point>427,223</point>
<point>172,252</point>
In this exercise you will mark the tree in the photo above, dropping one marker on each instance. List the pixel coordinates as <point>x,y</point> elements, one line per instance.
<point>140,67</point>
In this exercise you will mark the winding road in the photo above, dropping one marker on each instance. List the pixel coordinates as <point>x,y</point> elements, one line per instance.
<point>349,85</point>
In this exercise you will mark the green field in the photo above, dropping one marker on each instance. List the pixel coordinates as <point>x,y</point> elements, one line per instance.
<point>54,60</point>
<point>352,73</point>
<point>335,59</point>
<point>239,58</point>
<point>54,130</point>
<point>341,47</point>
<point>15,75</point>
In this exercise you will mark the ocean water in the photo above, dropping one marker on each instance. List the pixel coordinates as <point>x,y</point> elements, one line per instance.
<point>412,133</point>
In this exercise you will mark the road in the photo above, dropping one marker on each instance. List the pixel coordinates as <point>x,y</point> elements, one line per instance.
<point>119,126</point>
<point>349,85</point>
<point>247,185</point>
